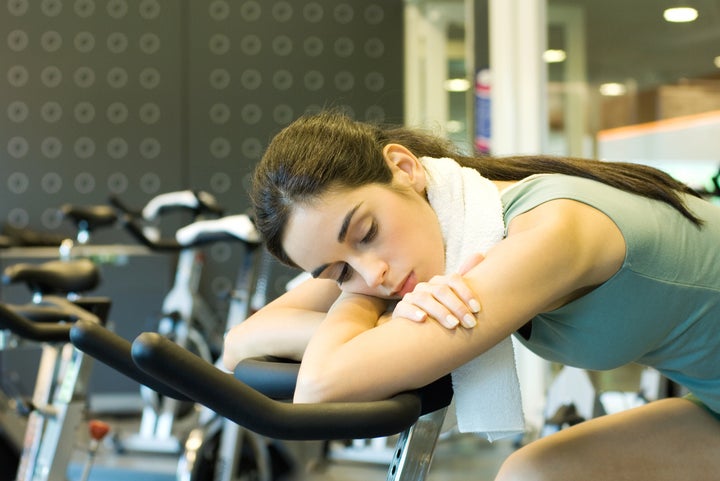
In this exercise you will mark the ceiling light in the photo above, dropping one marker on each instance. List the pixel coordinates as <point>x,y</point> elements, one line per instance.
<point>457,85</point>
<point>613,89</point>
<point>680,14</point>
<point>554,56</point>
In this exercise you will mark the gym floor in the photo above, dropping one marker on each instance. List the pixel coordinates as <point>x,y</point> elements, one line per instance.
<point>457,457</point>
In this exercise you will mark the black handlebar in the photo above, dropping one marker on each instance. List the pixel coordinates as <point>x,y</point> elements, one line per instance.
<point>33,331</point>
<point>113,350</point>
<point>230,398</point>
<point>123,207</point>
<point>136,230</point>
<point>49,321</point>
<point>206,204</point>
<point>201,238</point>
<point>274,377</point>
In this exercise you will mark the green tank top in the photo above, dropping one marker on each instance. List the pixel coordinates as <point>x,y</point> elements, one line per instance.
<point>661,309</point>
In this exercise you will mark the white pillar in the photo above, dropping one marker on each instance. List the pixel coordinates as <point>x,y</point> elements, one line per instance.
<point>571,18</point>
<point>519,76</point>
<point>519,126</point>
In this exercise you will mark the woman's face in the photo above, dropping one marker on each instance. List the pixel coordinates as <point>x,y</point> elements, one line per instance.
<point>375,239</point>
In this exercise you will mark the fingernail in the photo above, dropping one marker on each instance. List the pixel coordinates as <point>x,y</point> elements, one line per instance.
<point>419,315</point>
<point>469,321</point>
<point>452,321</point>
<point>475,306</point>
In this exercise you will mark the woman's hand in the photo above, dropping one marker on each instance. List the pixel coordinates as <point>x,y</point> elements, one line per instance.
<point>446,299</point>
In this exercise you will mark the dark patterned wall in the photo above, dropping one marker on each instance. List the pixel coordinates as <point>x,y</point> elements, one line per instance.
<point>140,97</point>
<point>90,97</point>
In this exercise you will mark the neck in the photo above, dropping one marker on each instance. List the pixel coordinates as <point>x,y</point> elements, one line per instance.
<point>503,184</point>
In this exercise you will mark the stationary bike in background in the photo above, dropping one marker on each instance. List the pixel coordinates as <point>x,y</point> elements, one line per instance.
<point>57,407</point>
<point>186,317</point>
<point>145,225</point>
<point>184,303</point>
<point>89,218</point>
<point>219,449</point>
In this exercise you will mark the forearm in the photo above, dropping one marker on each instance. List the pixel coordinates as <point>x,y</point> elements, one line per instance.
<point>280,332</point>
<point>284,327</point>
<point>349,317</point>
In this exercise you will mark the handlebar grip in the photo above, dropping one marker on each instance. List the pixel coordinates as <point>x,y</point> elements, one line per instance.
<point>113,350</point>
<point>230,398</point>
<point>199,202</point>
<point>238,227</point>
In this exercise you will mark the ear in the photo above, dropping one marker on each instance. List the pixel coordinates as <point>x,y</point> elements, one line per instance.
<point>405,166</point>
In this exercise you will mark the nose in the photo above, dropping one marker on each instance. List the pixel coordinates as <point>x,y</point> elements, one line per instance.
<point>372,269</point>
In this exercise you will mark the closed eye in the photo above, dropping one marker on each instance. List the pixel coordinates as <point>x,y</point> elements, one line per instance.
<point>344,274</point>
<point>371,233</point>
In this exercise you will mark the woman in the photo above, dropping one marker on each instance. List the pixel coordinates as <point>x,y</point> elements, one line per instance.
<point>600,264</point>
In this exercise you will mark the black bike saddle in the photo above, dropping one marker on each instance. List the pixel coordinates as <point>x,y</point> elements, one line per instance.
<point>92,216</point>
<point>55,277</point>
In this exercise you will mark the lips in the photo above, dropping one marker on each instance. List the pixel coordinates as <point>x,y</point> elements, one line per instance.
<point>407,286</point>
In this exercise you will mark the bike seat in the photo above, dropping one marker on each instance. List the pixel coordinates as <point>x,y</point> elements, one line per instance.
<point>90,217</point>
<point>55,277</point>
<point>233,399</point>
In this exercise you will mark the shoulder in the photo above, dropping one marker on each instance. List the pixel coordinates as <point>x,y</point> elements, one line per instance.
<point>579,236</point>
<point>540,188</point>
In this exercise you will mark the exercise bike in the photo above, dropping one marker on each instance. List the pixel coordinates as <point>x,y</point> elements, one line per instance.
<point>255,397</point>
<point>186,316</point>
<point>219,449</point>
<point>58,402</point>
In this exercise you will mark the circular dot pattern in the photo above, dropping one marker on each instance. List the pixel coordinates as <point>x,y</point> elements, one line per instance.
<point>140,97</point>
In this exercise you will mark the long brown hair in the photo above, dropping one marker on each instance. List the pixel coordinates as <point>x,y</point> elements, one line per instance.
<point>329,150</point>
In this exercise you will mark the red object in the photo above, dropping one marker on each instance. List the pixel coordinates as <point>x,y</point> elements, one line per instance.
<point>98,429</point>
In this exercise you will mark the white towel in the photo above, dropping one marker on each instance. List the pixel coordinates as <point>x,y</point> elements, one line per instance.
<point>468,206</point>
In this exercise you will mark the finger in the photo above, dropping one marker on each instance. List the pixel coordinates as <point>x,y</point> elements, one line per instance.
<point>450,297</point>
<point>432,306</point>
<point>467,295</point>
<point>407,310</point>
<point>453,292</point>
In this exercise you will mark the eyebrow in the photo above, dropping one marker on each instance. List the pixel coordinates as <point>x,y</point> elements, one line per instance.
<point>340,238</point>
